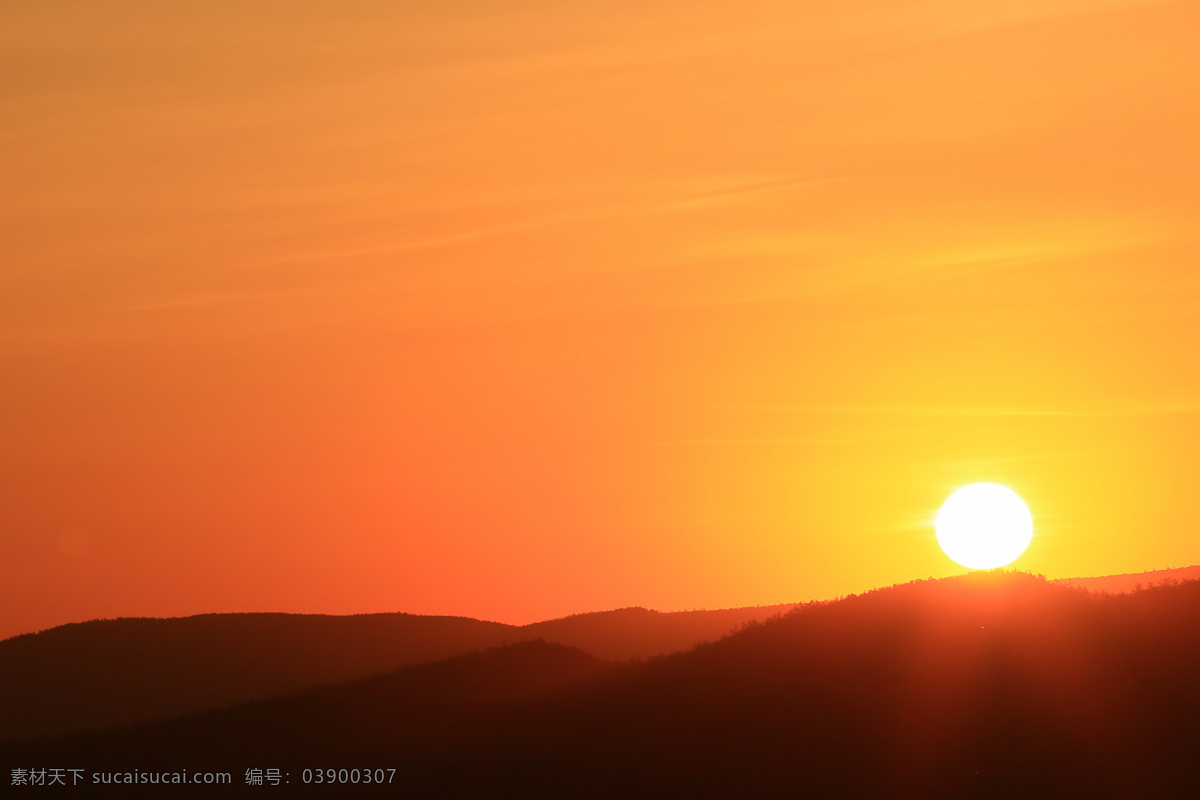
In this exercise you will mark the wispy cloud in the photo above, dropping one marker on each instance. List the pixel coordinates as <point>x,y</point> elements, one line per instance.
<point>190,301</point>
<point>717,193</point>
<point>933,410</point>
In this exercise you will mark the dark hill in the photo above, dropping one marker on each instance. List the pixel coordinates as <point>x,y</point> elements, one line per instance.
<point>629,633</point>
<point>112,672</point>
<point>1131,582</point>
<point>989,685</point>
<point>104,673</point>
<point>419,708</point>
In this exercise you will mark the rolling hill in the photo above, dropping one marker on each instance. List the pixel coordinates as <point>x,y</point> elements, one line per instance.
<point>102,673</point>
<point>987,685</point>
<point>1131,582</point>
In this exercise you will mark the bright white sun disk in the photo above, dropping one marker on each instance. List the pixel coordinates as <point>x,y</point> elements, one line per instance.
<point>984,526</point>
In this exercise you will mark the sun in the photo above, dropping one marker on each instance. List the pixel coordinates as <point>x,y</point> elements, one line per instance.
<point>984,526</point>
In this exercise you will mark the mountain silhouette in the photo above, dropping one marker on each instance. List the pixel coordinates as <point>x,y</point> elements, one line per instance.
<point>1131,582</point>
<point>986,685</point>
<point>419,707</point>
<point>99,674</point>
<point>630,633</point>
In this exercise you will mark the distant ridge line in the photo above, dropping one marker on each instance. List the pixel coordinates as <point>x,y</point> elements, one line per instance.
<point>1129,582</point>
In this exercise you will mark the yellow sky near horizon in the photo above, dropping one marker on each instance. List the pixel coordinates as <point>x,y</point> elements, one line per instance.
<point>518,309</point>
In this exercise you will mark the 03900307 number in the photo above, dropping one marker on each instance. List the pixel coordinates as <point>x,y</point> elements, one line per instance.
<point>356,775</point>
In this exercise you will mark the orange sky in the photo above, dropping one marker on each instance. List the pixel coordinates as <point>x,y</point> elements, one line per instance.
<point>517,309</point>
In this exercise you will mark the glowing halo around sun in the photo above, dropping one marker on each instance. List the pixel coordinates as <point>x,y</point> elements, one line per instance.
<point>984,526</point>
